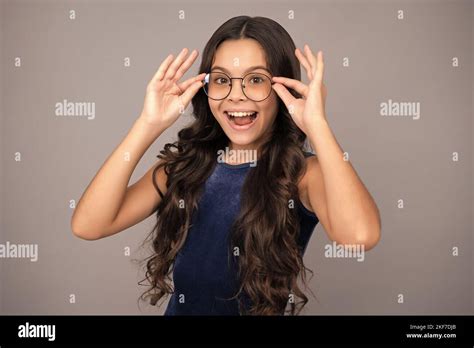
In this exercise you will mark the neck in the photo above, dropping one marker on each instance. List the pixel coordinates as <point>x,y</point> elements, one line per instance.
<point>239,154</point>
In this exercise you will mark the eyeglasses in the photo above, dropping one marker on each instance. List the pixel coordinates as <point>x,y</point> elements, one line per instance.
<point>255,86</point>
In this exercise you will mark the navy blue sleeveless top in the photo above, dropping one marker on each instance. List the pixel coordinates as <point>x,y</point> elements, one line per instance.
<point>203,281</point>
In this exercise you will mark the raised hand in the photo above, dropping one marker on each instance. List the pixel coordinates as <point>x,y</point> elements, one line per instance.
<point>165,97</point>
<point>309,109</point>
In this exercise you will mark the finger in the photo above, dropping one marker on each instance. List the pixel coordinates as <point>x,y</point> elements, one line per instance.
<point>190,92</point>
<point>298,86</point>
<point>284,94</point>
<point>320,69</point>
<point>163,67</point>
<point>183,86</point>
<point>311,58</point>
<point>176,64</point>
<point>185,66</point>
<point>325,92</point>
<point>305,63</point>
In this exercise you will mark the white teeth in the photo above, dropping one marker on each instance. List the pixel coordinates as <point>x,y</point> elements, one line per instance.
<point>241,114</point>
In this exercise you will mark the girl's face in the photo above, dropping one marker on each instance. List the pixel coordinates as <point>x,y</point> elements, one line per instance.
<point>237,58</point>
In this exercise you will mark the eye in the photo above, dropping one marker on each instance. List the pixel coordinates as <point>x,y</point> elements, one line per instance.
<point>256,79</point>
<point>221,80</point>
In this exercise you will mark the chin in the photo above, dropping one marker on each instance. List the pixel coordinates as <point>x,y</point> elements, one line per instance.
<point>241,139</point>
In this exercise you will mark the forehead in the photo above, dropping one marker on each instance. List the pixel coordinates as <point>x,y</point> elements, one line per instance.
<point>237,55</point>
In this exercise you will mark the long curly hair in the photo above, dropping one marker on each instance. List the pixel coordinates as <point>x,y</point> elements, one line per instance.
<point>266,229</point>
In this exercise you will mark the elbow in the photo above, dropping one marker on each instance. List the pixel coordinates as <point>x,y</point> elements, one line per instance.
<point>369,237</point>
<point>369,233</point>
<point>369,240</point>
<point>86,236</point>
<point>83,232</point>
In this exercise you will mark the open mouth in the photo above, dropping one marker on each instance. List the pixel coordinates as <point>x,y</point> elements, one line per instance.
<point>241,120</point>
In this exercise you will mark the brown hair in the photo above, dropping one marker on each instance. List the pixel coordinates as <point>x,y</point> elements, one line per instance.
<point>266,229</point>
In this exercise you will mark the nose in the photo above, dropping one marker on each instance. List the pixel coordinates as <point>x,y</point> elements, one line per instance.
<point>236,92</point>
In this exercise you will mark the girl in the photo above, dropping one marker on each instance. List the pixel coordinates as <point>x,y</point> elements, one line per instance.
<point>232,231</point>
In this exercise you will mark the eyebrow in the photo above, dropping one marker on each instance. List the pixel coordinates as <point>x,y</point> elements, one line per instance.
<point>249,69</point>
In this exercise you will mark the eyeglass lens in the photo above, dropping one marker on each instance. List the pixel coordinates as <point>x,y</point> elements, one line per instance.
<point>255,86</point>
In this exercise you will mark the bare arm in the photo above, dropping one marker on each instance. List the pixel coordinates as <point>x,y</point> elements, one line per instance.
<point>335,191</point>
<point>108,205</point>
<point>331,186</point>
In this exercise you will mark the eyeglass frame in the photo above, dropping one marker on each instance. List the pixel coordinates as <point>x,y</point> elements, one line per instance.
<point>241,84</point>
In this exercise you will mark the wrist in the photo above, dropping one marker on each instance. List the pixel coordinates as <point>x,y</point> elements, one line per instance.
<point>147,126</point>
<point>147,129</point>
<point>317,126</point>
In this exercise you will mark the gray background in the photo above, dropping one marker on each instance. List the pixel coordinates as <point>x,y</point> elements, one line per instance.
<point>396,157</point>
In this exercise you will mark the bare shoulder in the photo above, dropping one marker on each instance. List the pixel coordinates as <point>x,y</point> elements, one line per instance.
<point>312,191</point>
<point>312,170</point>
<point>160,176</point>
